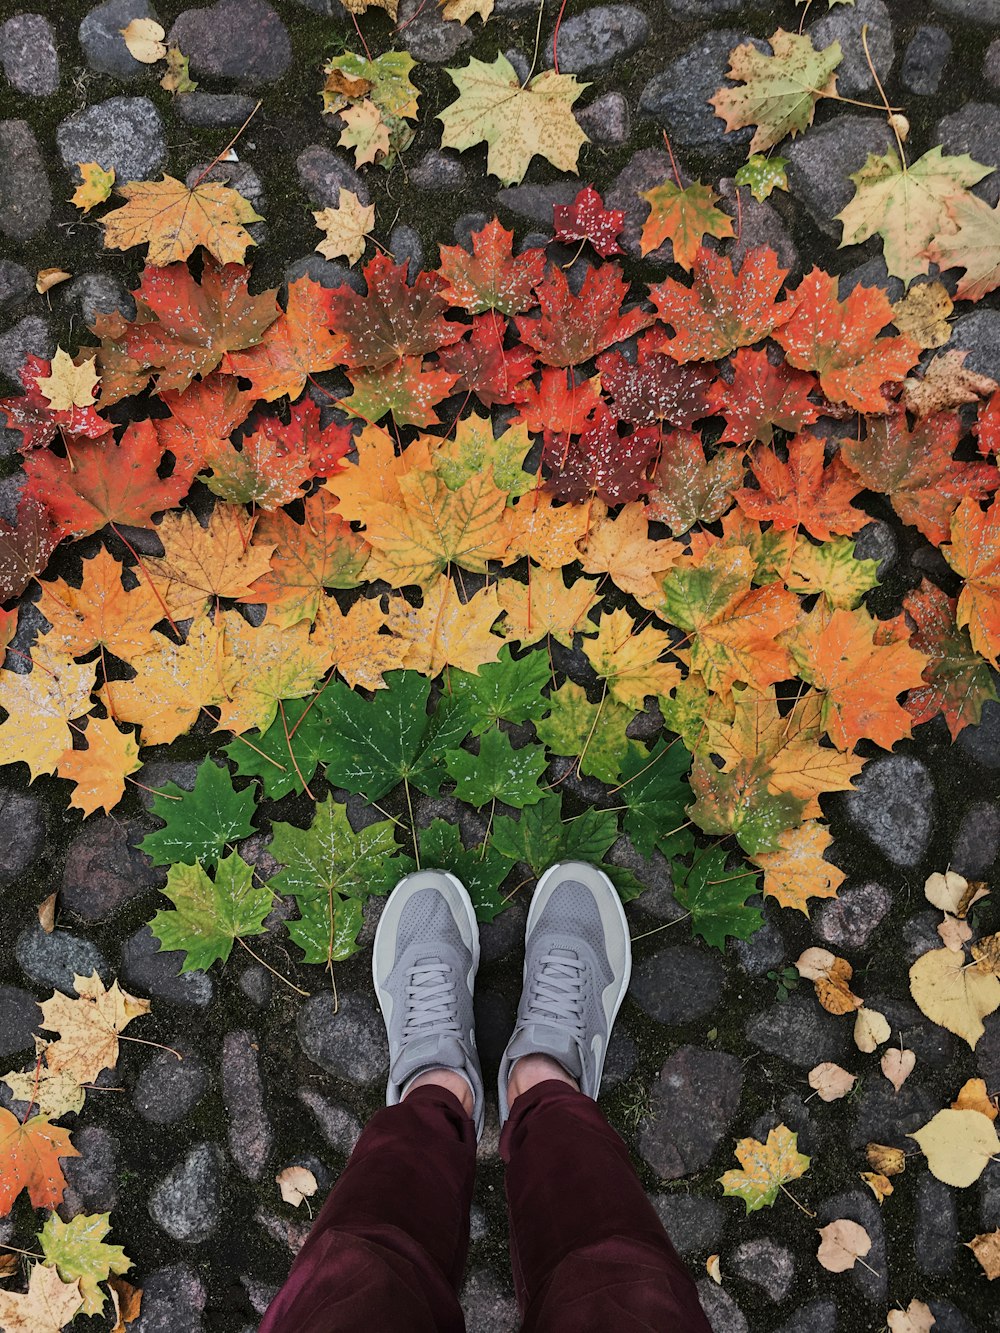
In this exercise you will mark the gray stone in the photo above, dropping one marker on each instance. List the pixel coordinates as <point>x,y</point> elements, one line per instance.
<point>234,39</point>
<point>405,245</point>
<point>988,1052</point>
<point>339,1127</point>
<point>982,741</point>
<point>488,1306</point>
<point>935,1237</point>
<point>210,109</point>
<point>25,196</point>
<point>91,1178</point>
<point>761,225</point>
<point>15,283</point>
<point>623,1056</point>
<point>105,870</point>
<point>721,1311</point>
<point>54,960</point>
<point>849,920</point>
<point>692,1103</point>
<point>975,129</point>
<point>287,1232</point>
<point>653,873</point>
<point>249,1129</point>
<point>438,170</point>
<point>974,11</point>
<point>606,119</point>
<point>94,294</point>
<point>167,1089</point>
<point>764,950</point>
<point>158,772</point>
<point>172,1299</point>
<point>925,59</point>
<point>102,40</point>
<point>701,9</point>
<point>860,1207</point>
<point>22,832</point>
<point>504,935</point>
<point>991,65</point>
<point>919,934</point>
<point>677,97</point>
<point>799,1031</point>
<point>431,39</point>
<point>765,1263</point>
<point>817,1317</point>
<point>327,272</point>
<point>977,840</point>
<point>28,54</point>
<point>843,24</point>
<point>324,173</point>
<point>348,1041</point>
<point>186,1203</point>
<point>536,202</point>
<point>887,1116</point>
<point>948,1319</point>
<point>989,1198</point>
<point>678,985</point>
<point>255,983</point>
<point>893,805</point>
<point>158,973</point>
<point>931,1044</point>
<point>693,1223</point>
<point>19,1020</point>
<point>597,37</point>
<point>124,132</point>
<point>261,1294</point>
<point>820,164</point>
<point>877,541</point>
<point>465,225</point>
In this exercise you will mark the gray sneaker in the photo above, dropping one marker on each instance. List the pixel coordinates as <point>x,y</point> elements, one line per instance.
<point>577,964</point>
<point>424,963</point>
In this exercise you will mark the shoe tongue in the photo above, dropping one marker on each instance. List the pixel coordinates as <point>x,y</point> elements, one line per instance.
<point>435,1051</point>
<point>544,1039</point>
<point>564,953</point>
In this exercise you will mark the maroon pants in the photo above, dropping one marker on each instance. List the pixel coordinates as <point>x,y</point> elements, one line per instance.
<point>388,1249</point>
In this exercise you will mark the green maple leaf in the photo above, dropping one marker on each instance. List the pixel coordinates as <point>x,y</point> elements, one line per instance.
<point>202,823</point>
<point>474,449</point>
<point>498,772</point>
<point>391,91</point>
<point>482,869</point>
<point>830,568</point>
<point>502,689</point>
<point>716,898</point>
<point>595,732</point>
<point>765,1168</point>
<point>76,1249</point>
<point>654,787</point>
<point>763,175</point>
<point>739,801</point>
<point>541,836</point>
<point>210,913</point>
<point>287,754</point>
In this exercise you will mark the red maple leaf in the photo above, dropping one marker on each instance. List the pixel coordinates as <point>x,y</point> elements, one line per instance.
<point>958,680</point>
<point>655,388</point>
<point>492,277</point>
<point>201,420</point>
<point>687,487</point>
<point>559,404</point>
<point>761,397</point>
<point>25,548</point>
<point>484,366</point>
<point>987,427</point>
<point>324,447</point>
<point>394,318</point>
<point>839,340</point>
<point>586,219</point>
<point>601,461</point>
<point>723,310</point>
<point>101,482</point>
<point>299,343</point>
<point>32,414</point>
<point>802,493</point>
<point>572,328</point>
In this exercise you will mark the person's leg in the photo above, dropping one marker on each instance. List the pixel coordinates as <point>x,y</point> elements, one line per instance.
<point>388,1248</point>
<point>587,1249</point>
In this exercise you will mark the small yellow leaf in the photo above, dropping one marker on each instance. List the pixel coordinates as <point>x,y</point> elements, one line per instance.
<point>46,1307</point>
<point>952,995</point>
<point>88,1026</point>
<point>50,277</point>
<point>365,131</point>
<point>973,1096</point>
<point>830,1081</point>
<point>178,77</point>
<point>842,1244</point>
<point>986,952</point>
<point>922,315</point>
<point>144,39</point>
<point>47,913</point>
<point>880,1186</point>
<point>916,1318</point>
<point>952,892</point>
<point>67,385</point>
<point>628,658</point>
<point>296,1183</point>
<point>954,933</point>
<point>888,1161</point>
<point>174,218</point>
<point>95,185</point>
<point>714,1269</point>
<point>346,226</point>
<point>986,1248</point>
<point>831,977</point>
<point>52,1095</point>
<point>897,1066</point>
<point>462,10</point>
<point>870,1029</point>
<point>958,1145</point>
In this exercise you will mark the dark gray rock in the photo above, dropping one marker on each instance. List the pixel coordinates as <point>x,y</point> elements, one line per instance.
<point>504,935</point>
<point>105,869</point>
<point>22,832</point>
<point>156,973</point>
<point>465,225</point>
<point>102,40</point>
<point>884,1115</point>
<point>606,119</point>
<point>124,132</point>
<point>678,985</point>
<point>339,1127</point>
<point>172,1299</point>
<point>761,225</point>
<point>931,1044</point>
<point>327,272</point>
<point>817,1317</point>
<point>799,1031</point>
<point>19,1020</point>
<point>924,61</point>
<point>701,9</point>
<point>54,960</point>
<point>597,37</point>
<point>766,1264</point>
<point>677,97</point>
<point>241,176</point>
<point>876,541</point>
<point>653,873</point>
<point>30,336</point>
<point>166,1088</point>
<point>234,39</point>
<point>919,934</point>
<point>820,164</point>
<point>28,54</point>
<point>974,129</point>
<point>893,805</point>
<point>438,170</point>
<point>935,1237</point>
<point>431,39</point>
<point>249,1128</point>
<point>843,24</point>
<point>91,1178</point>
<point>261,1294</point>
<point>206,110</point>
<point>861,1207</point>
<point>536,202</point>
<point>764,950</point>
<point>974,11</point>
<point>25,197</point>
<point>721,1311</point>
<point>991,65</point>
<point>979,333</point>
<point>692,1103</point>
<point>158,772</point>
<point>488,1306</point>
<point>287,1232</point>
<point>693,1223</point>
<point>348,1041</point>
<point>949,1319</point>
<point>324,173</point>
<point>15,283</point>
<point>256,984</point>
<point>623,1056</point>
<point>187,1202</point>
<point>405,245</point>
<point>988,1052</point>
<point>989,1197</point>
<point>977,841</point>
<point>849,920</point>
<point>93,294</point>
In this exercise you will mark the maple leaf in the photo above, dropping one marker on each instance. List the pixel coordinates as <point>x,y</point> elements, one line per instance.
<point>628,659</point>
<point>356,487</point>
<point>601,461</point>
<point>958,681</point>
<point>558,404</point>
<point>654,387</point>
<point>474,449</point>
<point>910,207</point>
<point>25,548</point>
<point>445,631</point>
<point>100,770</point>
<point>847,655</point>
<point>986,1248</point>
<point>780,90</point>
<point>571,329</point>
<point>839,340</point>
<point>917,469</point>
<point>684,216</point>
<point>716,899</point>
<point>484,367</point>
<point>586,219</point>
<point>760,397</point>
<point>68,386</point>
<point>492,277</point>
<point>346,227</point>
<point>265,665</point>
<point>202,564</point>
<point>974,554</point>
<point>924,314</point>
<point>547,533</point>
<point>656,794</point>
<point>95,185</point>
<point>947,382</point>
<point>177,79</point>
<point>38,418</point>
<point>723,310</point>
<point>366,132</point>
<point>987,426</point>
<point>49,1303</point>
<point>287,754</point>
<point>176,682</point>
<point>687,488</point>
<point>299,343</point>
<point>409,388</point>
<point>498,772</point>
<point>971,243</point>
<point>201,823</point>
<point>201,420</point>
<point>621,548</point>
<point>593,735</point>
<point>764,1168</point>
<point>516,121</point>
<point>100,612</point>
<point>354,644</point>
<point>40,706</point>
<point>209,915</point>
<point>508,689</point>
<point>174,218</point>
<point>802,493</point>
<point>395,318</point>
<point>88,1025</point>
<point>740,800</point>
<point>541,837</point>
<point>796,870</point>
<point>545,606</point>
<point>482,870</point>
<point>78,1252</point>
<point>763,175</point>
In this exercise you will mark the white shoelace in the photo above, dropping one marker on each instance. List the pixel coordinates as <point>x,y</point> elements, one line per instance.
<point>431,999</point>
<point>557,991</point>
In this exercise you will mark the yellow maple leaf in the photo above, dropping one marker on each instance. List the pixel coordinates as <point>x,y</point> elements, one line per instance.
<point>462,10</point>
<point>88,1026</point>
<point>544,605</point>
<point>628,659</point>
<point>346,227</point>
<point>174,218</point>
<point>99,771</point>
<point>100,611</point>
<point>445,631</point>
<point>175,682</point>
<point>621,548</point>
<point>357,647</point>
<point>46,1307</point>
<point>40,706</point>
<point>765,1168</point>
<point>200,565</point>
<point>52,1095</point>
<point>550,533</point>
<point>263,665</point>
<point>365,131</point>
<point>67,385</point>
<point>95,185</point>
<point>797,871</point>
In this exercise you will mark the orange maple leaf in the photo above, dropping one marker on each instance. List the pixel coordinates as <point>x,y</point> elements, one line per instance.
<point>100,612</point>
<point>356,645</point>
<point>100,770</point>
<point>797,871</point>
<point>201,564</point>
<point>974,553</point>
<point>445,631</point>
<point>547,532</point>
<point>544,605</point>
<point>175,682</point>
<point>629,659</point>
<point>29,1159</point>
<point>802,493</point>
<point>298,344</point>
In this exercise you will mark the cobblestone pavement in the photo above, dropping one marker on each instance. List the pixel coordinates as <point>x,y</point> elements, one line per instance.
<point>706,1051</point>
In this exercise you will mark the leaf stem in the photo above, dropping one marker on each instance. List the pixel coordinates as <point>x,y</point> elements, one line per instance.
<point>794,1200</point>
<point>274,972</point>
<point>413,827</point>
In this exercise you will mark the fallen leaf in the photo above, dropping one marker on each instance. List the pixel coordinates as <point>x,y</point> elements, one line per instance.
<point>886,1160</point>
<point>200,565</point>
<point>973,1096</point>
<point>986,1248</point>
<point>78,1251</point>
<point>629,659</point>
<point>365,132</point>
<point>67,385</point>
<point>954,933</point>
<point>30,1154</point>
<point>95,185</point>
<point>88,1026</point>
<point>40,707</point>
<point>765,1168</point>
<point>545,606</point>
<point>48,278</point>
<point>842,1244</point>
<point>916,1318</point>
<point>986,952</point>
<point>897,1066</point>
<point>47,913</point>
<point>763,174</point>
<point>174,218</point>
<point>685,217</point>
<point>51,1095</point>
<point>831,1082</point>
<point>870,1029</point>
<point>296,1183</point>
<point>946,383</point>
<point>127,1302</point>
<point>831,977</point>
<point>144,39</point>
<point>48,1305</point>
<point>798,871</point>
<point>923,313</point>
<point>952,995</point>
<point>952,892</point>
<point>586,219</point>
<point>958,1145</point>
<point>347,227</point>
<point>445,631</point>
<point>880,1186</point>
<point>972,245</point>
<point>177,78</point>
<point>714,1269</point>
<point>100,769</point>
